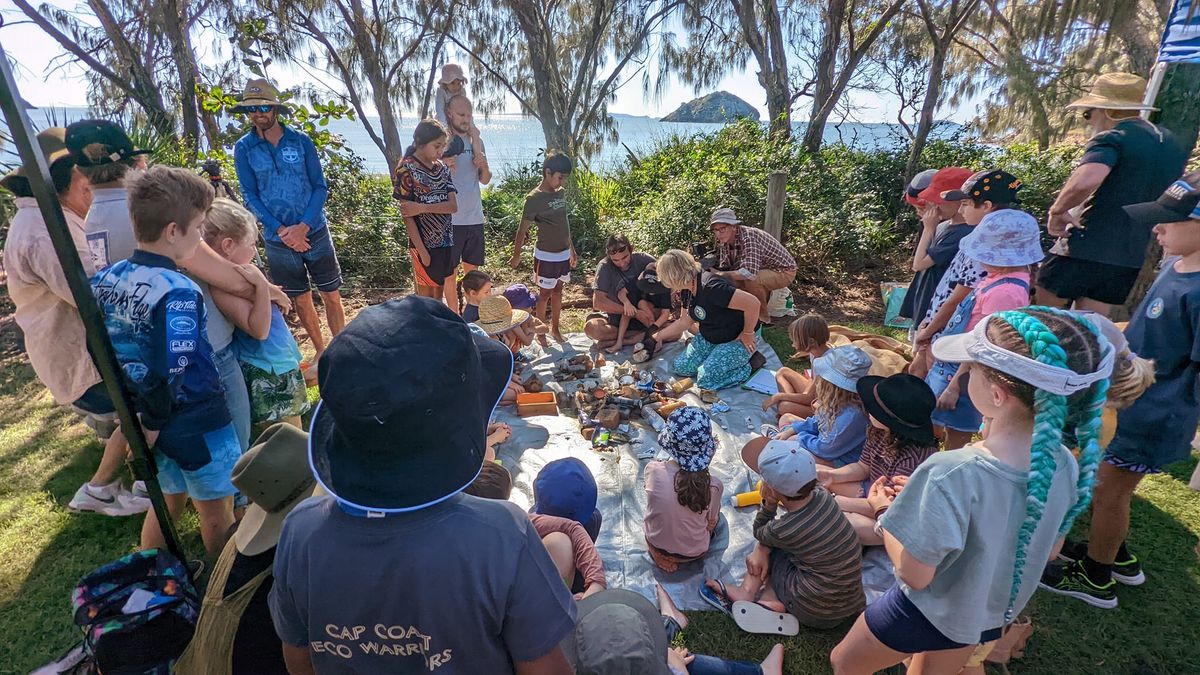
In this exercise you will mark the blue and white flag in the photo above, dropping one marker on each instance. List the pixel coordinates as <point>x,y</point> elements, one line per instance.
<point>1181,38</point>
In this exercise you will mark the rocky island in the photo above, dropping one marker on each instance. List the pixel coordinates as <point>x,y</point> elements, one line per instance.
<point>717,107</point>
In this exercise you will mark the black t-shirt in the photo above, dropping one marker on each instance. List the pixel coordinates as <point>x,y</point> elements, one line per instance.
<point>920,291</point>
<point>611,279</point>
<point>256,647</point>
<point>1145,159</point>
<point>710,306</point>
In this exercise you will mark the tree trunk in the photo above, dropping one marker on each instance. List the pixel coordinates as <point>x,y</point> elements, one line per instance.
<point>933,92</point>
<point>824,73</point>
<point>548,97</point>
<point>1179,110</point>
<point>824,103</point>
<point>173,19</point>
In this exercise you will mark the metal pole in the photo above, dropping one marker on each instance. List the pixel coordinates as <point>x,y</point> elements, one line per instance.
<point>101,349</point>
<point>1152,87</point>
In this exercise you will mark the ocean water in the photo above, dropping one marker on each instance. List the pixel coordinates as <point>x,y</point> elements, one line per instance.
<point>514,140</point>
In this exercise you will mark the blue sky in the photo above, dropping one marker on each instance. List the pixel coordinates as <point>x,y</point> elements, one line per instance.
<point>33,52</point>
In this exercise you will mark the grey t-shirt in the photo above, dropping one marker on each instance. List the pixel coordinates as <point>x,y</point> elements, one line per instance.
<point>610,279</point>
<point>461,588</point>
<point>109,228</point>
<point>961,511</point>
<point>466,180</point>
<point>218,328</point>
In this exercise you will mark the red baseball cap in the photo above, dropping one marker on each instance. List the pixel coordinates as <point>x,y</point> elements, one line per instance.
<point>949,178</point>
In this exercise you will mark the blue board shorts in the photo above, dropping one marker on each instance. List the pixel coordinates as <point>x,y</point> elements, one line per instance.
<point>291,270</point>
<point>896,622</point>
<point>211,481</point>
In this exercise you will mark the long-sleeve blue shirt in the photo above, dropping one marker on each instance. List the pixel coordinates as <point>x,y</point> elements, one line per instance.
<point>840,445</point>
<point>155,318</point>
<point>282,184</point>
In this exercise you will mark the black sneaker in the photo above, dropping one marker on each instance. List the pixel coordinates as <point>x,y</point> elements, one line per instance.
<point>1070,580</point>
<point>1128,572</point>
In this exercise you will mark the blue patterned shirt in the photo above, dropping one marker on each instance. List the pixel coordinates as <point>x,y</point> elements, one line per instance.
<point>155,318</point>
<point>283,184</point>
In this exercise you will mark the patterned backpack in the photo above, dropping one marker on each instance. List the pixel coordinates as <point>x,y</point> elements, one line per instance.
<point>137,613</point>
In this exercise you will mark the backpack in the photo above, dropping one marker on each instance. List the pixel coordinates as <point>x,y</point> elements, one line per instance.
<point>146,639</point>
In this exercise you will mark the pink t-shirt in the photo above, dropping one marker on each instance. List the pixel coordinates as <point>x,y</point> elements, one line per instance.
<point>999,298</point>
<point>670,526</point>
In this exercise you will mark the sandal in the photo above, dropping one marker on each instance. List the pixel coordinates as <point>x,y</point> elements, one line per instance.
<point>753,617</point>
<point>720,599</point>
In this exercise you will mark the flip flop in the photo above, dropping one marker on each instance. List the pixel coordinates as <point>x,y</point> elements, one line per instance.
<point>720,601</point>
<point>755,618</point>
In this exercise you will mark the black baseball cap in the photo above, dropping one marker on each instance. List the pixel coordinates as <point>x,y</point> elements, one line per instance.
<point>993,185</point>
<point>406,392</point>
<point>99,142</point>
<point>1180,201</point>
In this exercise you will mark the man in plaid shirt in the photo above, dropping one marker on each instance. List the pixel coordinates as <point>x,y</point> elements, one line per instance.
<point>750,258</point>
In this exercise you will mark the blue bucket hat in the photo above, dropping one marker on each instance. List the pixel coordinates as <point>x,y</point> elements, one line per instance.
<point>842,366</point>
<point>688,438</point>
<point>1004,238</point>
<point>565,488</point>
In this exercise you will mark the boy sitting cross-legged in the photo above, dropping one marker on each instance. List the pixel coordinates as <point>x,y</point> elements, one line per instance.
<point>155,317</point>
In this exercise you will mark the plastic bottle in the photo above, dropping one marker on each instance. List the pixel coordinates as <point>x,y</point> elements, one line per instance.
<point>652,418</point>
<point>743,499</point>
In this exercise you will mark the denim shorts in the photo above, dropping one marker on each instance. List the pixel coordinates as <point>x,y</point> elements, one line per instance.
<point>291,270</point>
<point>211,481</point>
<point>964,416</point>
<point>896,622</point>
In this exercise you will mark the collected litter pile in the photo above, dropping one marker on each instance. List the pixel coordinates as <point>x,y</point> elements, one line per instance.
<point>607,399</point>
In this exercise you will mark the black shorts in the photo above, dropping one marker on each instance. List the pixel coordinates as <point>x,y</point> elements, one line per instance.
<point>441,265</point>
<point>468,245</point>
<point>634,325</point>
<point>291,270</point>
<point>896,622</point>
<point>1074,278</point>
<point>95,401</point>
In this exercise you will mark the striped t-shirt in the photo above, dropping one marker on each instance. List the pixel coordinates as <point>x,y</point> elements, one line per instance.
<point>820,578</point>
<point>883,459</point>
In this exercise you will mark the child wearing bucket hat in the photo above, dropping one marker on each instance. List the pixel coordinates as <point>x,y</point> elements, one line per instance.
<point>807,563</point>
<point>1005,243</point>
<point>683,501</point>
<point>836,432</point>
<point>900,438</point>
<point>407,389</point>
<point>972,529</point>
<point>234,633</point>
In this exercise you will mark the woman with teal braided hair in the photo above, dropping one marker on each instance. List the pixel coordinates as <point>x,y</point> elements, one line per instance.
<point>972,529</point>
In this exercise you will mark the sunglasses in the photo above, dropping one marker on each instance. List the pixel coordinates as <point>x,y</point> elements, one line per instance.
<point>259,108</point>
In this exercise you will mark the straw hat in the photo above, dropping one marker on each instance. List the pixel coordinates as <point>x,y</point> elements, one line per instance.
<point>258,92</point>
<point>1115,91</point>
<point>496,315</point>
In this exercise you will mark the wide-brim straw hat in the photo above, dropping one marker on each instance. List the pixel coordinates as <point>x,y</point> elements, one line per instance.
<point>259,92</point>
<point>496,315</point>
<point>1114,91</point>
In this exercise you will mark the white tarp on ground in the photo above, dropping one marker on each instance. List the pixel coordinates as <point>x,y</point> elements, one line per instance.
<point>622,497</point>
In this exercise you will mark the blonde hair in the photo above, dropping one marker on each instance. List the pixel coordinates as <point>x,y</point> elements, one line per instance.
<point>228,219</point>
<point>1131,376</point>
<point>677,269</point>
<point>831,400</point>
<point>807,332</point>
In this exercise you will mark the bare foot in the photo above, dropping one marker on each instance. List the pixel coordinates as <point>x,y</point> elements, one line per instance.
<point>541,338</point>
<point>773,664</point>
<point>667,607</point>
<point>498,433</point>
<point>558,337</point>
<point>310,372</point>
<point>612,350</point>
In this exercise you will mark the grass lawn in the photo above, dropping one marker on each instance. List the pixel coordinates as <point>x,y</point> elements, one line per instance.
<point>45,454</point>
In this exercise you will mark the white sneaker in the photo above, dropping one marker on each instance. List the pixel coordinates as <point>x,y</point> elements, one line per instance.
<point>139,489</point>
<point>109,500</point>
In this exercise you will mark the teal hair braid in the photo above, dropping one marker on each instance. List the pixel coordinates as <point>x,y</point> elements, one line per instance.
<point>1087,417</point>
<point>1049,418</point>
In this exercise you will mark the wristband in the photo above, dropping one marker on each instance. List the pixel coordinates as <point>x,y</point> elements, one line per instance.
<point>880,511</point>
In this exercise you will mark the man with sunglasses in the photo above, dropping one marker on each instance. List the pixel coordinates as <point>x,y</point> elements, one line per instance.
<point>1128,160</point>
<point>620,268</point>
<point>283,185</point>
<point>750,258</point>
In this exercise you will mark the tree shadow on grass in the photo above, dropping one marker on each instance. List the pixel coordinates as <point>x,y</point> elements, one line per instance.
<point>1153,630</point>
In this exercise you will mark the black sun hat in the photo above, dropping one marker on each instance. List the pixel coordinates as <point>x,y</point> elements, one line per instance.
<point>902,402</point>
<point>998,187</point>
<point>406,392</point>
